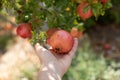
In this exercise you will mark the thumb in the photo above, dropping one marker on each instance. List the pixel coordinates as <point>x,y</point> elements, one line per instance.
<point>44,55</point>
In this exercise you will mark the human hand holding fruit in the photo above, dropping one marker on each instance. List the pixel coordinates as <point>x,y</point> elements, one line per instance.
<point>55,64</point>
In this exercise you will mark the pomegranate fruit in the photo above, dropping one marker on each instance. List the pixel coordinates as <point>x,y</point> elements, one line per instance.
<point>84,14</point>
<point>76,33</point>
<point>51,31</point>
<point>107,46</point>
<point>104,1</point>
<point>61,42</point>
<point>24,30</point>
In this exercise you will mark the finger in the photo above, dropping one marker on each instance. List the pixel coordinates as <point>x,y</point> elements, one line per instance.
<point>73,50</point>
<point>66,60</point>
<point>43,54</point>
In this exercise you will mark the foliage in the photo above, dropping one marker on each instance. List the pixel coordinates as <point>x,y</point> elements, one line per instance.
<point>112,15</point>
<point>54,12</point>
<point>4,40</point>
<point>89,66</point>
<point>115,11</point>
<point>86,65</point>
<point>29,73</point>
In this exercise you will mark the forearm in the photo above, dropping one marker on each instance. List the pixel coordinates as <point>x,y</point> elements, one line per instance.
<point>48,73</point>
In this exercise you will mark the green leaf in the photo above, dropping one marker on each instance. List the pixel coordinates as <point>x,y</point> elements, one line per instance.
<point>86,9</point>
<point>108,5</point>
<point>97,9</point>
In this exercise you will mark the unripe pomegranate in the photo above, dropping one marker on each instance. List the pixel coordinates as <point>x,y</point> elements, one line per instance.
<point>24,30</point>
<point>84,14</point>
<point>76,33</point>
<point>61,42</point>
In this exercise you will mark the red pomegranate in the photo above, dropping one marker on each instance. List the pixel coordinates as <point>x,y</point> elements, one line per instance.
<point>51,31</point>
<point>61,42</point>
<point>24,30</point>
<point>84,14</point>
<point>104,1</point>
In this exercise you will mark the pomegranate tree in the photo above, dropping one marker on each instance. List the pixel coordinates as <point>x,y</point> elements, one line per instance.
<point>63,20</point>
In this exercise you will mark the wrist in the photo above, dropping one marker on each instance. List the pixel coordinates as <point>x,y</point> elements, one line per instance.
<point>50,71</point>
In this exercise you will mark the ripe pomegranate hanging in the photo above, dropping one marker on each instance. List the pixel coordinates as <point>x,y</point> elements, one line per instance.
<point>51,31</point>
<point>82,13</point>
<point>61,42</point>
<point>24,30</point>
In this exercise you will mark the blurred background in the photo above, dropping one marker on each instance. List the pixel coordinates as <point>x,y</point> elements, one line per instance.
<point>97,57</point>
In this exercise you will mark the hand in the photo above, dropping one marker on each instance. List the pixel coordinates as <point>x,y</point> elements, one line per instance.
<point>54,66</point>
